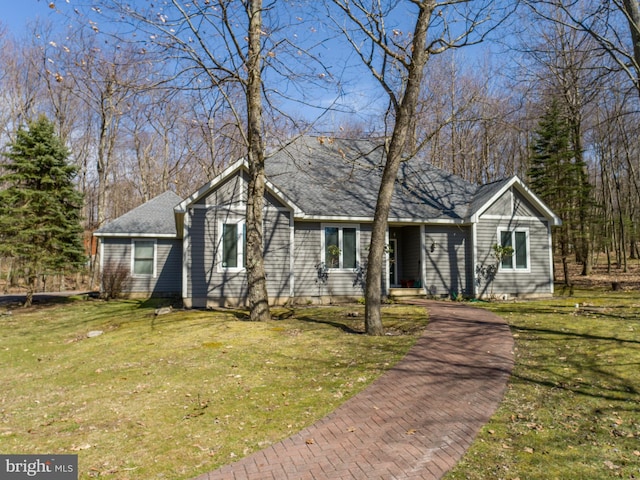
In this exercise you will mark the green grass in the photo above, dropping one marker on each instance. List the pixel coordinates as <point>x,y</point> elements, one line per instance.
<point>177,395</point>
<point>572,408</point>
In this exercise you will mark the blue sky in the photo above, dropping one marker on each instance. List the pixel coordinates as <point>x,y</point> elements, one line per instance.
<point>361,94</point>
<point>14,14</point>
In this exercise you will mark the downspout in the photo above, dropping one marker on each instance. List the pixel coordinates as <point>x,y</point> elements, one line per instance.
<point>551,265</point>
<point>386,284</point>
<point>474,256</point>
<point>292,275</point>
<point>423,259</point>
<point>101,262</point>
<point>186,224</point>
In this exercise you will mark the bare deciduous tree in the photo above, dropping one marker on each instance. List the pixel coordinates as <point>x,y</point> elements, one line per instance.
<point>397,61</point>
<point>218,50</point>
<point>614,25</point>
<point>585,58</point>
<point>22,84</point>
<point>467,121</point>
<point>106,78</point>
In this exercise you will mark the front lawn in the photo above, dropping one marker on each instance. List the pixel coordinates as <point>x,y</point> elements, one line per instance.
<point>572,409</point>
<point>176,395</point>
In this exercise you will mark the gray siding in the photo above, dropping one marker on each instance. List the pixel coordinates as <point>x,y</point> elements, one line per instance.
<point>168,279</point>
<point>208,283</point>
<point>277,252</point>
<point>448,266</point>
<point>206,279</point>
<point>169,267</point>
<point>231,192</point>
<point>272,201</point>
<point>535,281</point>
<point>522,207</point>
<point>502,206</point>
<point>512,203</point>
<point>116,253</point>
<point>308,255</point>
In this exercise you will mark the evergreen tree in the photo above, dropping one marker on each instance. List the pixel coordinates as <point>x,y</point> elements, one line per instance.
<point>557,174</point>
<point>40,207</point>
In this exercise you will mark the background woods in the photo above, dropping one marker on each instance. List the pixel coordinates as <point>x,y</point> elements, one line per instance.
<point>551,95</point>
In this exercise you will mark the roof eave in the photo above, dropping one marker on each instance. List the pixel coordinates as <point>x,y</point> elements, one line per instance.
<point>394,220</point>
<point>134,235</point>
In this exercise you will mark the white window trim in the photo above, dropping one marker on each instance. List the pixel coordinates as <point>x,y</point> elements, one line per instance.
<point>240,222</point>
<point>323,250</point>
<point>513,231</point>
<point>133,258</point>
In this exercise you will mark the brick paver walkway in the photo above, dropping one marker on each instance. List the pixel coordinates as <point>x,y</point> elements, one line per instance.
<point>414,422</point>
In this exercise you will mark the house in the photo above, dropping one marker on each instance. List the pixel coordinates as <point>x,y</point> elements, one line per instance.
<point>318,210</point>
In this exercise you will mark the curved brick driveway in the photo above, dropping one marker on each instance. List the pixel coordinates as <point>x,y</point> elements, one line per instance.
<point>414,422</point>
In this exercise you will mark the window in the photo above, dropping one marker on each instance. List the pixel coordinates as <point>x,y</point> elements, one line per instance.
<point>144,256</point>
<point>340,246</point>
<point>519,241</point>
<point>233,245</point>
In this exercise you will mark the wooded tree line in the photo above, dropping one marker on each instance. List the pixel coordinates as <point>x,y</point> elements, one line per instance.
<point>145,102</point>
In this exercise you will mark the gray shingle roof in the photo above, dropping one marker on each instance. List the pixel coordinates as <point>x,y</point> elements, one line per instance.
<point>330,178</point>
<point>154,217</point>
<point>438,194</point>
<point>337,178</point>
<point>341,178</point>
<point>486,193</point>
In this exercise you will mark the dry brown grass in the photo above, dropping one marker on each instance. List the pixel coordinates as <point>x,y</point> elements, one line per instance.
<point>176,395</point>
<point>602,277</point>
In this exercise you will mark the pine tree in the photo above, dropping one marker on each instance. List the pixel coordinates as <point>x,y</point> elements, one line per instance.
<point>558,175</point>
<point>40,208</point>
<point>551,154</point>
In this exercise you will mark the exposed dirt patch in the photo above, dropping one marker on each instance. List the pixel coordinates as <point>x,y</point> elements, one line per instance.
<point>604,277</point>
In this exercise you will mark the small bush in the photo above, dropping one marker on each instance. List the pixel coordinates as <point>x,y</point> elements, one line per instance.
<point>114,280</point>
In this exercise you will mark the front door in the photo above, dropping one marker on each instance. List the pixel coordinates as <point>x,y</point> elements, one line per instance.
<point>393,262</point>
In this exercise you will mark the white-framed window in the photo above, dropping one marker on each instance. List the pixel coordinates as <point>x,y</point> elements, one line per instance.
<point>340,246</point>
<point>143,258</point>
<point>232,244</point>
<point>518,239</point>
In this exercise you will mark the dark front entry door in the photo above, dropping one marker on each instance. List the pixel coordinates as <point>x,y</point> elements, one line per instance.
<point>393,262</point>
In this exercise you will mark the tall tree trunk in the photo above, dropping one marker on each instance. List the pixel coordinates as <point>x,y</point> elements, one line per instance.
<point>404,114</point>
<point>256,277</point>
<point>564,252</point>
<point>31,288</point>
<point>632,8</point>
